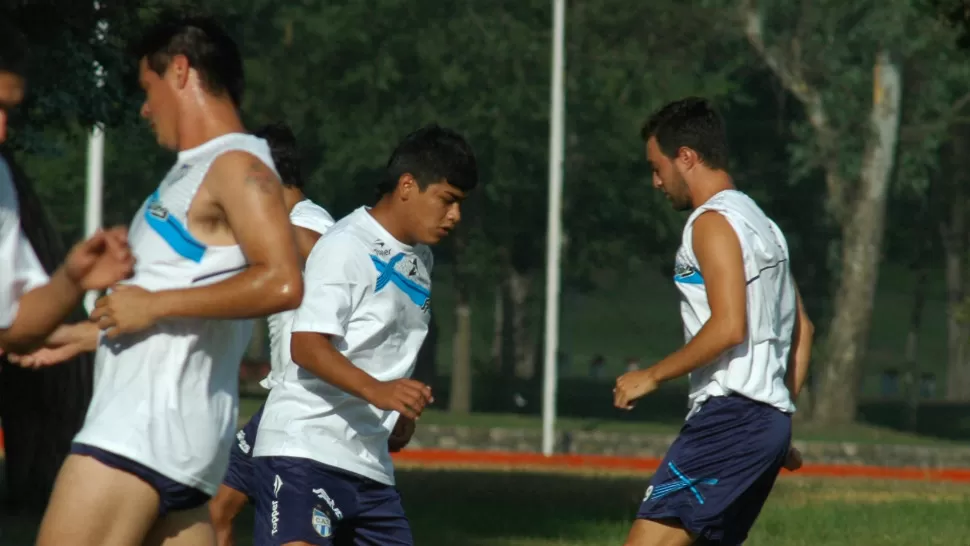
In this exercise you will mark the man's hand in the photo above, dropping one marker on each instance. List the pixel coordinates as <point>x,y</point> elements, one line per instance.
<point>632,386</point>
<point>100,261</point>
<point>65,343</point>
<point>793,461</point>
<point>401,435</point>
<point>127,309</point>
<point>405,396</point>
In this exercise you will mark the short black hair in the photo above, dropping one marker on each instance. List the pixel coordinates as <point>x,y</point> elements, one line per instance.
<point>13,48</point>
<point>690,122</point>
<point>432,154</point>
<point>207,46</point>
<point>286,154</point>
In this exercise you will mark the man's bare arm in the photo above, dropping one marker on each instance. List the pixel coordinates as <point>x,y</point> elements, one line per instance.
<point>718,252</point>
<point>40,312</point>
<point>801,349</point>
<point>251,196</point>
<point>316,354</point>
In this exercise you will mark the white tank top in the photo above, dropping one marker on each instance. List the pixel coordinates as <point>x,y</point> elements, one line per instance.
<point>309,215</point>
<point>755,368</point>
<point>167,397</point>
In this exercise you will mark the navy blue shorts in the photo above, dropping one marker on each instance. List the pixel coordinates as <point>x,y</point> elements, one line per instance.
<point>719,471</point>
<point>173,496</point>
<point>239,475</point>
<point>303,500</point>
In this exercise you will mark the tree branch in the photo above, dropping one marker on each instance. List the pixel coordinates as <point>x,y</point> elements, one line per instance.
<point>788,69</point>
<point>950,118</point>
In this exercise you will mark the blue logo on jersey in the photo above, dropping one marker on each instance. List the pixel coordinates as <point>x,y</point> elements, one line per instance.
<point>170,229</point>
<point>679,484</point>
<point>387,274</point>
<point>321,523</point>
<point>684,273</point>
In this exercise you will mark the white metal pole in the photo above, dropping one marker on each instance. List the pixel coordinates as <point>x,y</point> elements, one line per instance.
<point>94,197</point>
<point>554,233</point>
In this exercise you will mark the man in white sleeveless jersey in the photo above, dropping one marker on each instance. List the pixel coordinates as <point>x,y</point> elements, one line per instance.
<point>748,343</point>
<point>323,471</point>
<point>214,247</point>
<point>31,304</point>
<point>309,222</point>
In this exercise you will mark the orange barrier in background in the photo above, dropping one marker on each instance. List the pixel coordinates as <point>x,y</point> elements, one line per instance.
<point>441,457</point>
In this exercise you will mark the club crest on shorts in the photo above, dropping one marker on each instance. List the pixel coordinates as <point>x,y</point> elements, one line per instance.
<point>647,493</point>
<point>321,523</point>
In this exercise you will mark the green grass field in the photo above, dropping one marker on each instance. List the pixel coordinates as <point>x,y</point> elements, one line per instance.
<point>856,433</point>
<point>478,508</point>
<point>637,315</point>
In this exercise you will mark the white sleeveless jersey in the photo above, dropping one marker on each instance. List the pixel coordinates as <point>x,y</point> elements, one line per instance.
<point>22,272</point>
<point>309,215</point>
<point>167,397</point>
<point>755,368</point>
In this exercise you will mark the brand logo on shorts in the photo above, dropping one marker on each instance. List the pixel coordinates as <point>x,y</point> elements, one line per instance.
<point>243,444</point>
<point>646,495</point>
<point>680,482</point>
<point>321,493</point>
<point>275,517</point>
<point>321,523</point>
<point>277,484</point>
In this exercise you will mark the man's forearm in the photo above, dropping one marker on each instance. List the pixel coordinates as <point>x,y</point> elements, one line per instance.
<point>40,312</point>
<point>713,339</point>
<point>314,353</point>
<point>801,355</point>
<point>255,292</point>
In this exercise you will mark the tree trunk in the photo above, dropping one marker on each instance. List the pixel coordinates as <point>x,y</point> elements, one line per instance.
<point>912,375</point>
<point>498,331</point>
<point>426,367</point>
<point>461,366</point>
<point>519,286</point>
<point>461,362</point>
<point>957,270</point>
<point>862,234</point>
<point>41,410</point>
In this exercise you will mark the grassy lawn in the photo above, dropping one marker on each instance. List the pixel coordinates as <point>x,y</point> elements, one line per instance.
<point>857,433</point>
<point>521,509</point>
<point>637,315</point>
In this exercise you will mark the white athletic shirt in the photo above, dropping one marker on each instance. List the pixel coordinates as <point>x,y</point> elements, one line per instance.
<point>309,215</point>
<point>755,368</point>
<point>22,271</point>
<point>167,397</point>
<point>372,293</point>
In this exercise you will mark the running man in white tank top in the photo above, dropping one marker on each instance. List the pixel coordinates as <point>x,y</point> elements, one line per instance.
<point>323,471</point>
<point>748,343</point>
<point>309,221</point>
<point>31,304</point>
<point>214,249</point>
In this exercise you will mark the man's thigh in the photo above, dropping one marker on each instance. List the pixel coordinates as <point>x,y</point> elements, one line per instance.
<point>94,504</point>
<point>183,528</point>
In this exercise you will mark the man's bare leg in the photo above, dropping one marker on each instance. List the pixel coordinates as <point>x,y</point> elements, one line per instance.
<point>223,509</point>
<point>647,532</point>
<point>183,528</point>
<point>95,505</point>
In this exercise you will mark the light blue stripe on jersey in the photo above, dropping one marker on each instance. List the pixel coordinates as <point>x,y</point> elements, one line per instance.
<point>174,233</point>
<point>693,278</point>
<point>386,273</point>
